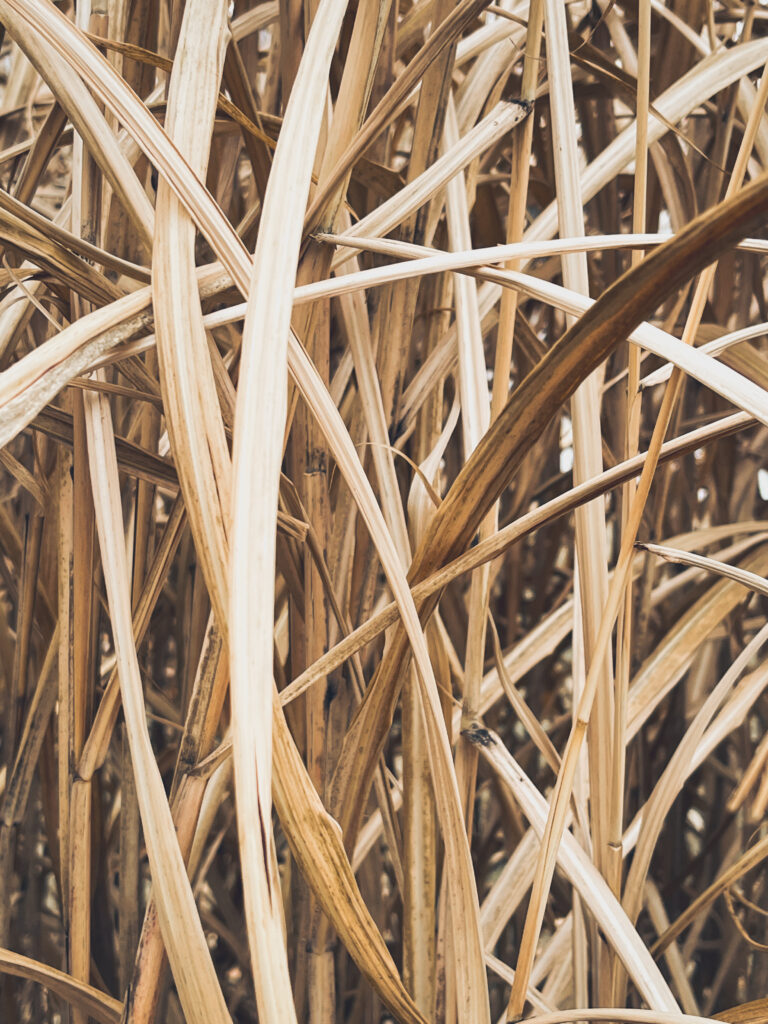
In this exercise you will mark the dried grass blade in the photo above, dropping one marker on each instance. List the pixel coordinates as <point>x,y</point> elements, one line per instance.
<point>320,854</point>
<point>664,667</point>
<point>87,119</point>
<point>188,952</point>
<point>704,80</point>
<point>746,862</point>
<point>592,887</point>
<point>732,572</point>
<point>99,1005</point>
<point>496,545</point>
<point>667,788</point>
<point>414,195</point>
<point>258,450</point>
<point>189,394</point>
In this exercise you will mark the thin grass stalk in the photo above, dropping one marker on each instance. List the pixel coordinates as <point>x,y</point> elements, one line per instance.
<point>591,541</point>
<point>624,637</point>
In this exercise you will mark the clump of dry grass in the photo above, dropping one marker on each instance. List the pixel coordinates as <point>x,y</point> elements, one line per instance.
<point>382,578</point>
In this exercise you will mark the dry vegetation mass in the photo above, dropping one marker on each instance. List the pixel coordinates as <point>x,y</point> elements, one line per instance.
<point>383,511</point>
